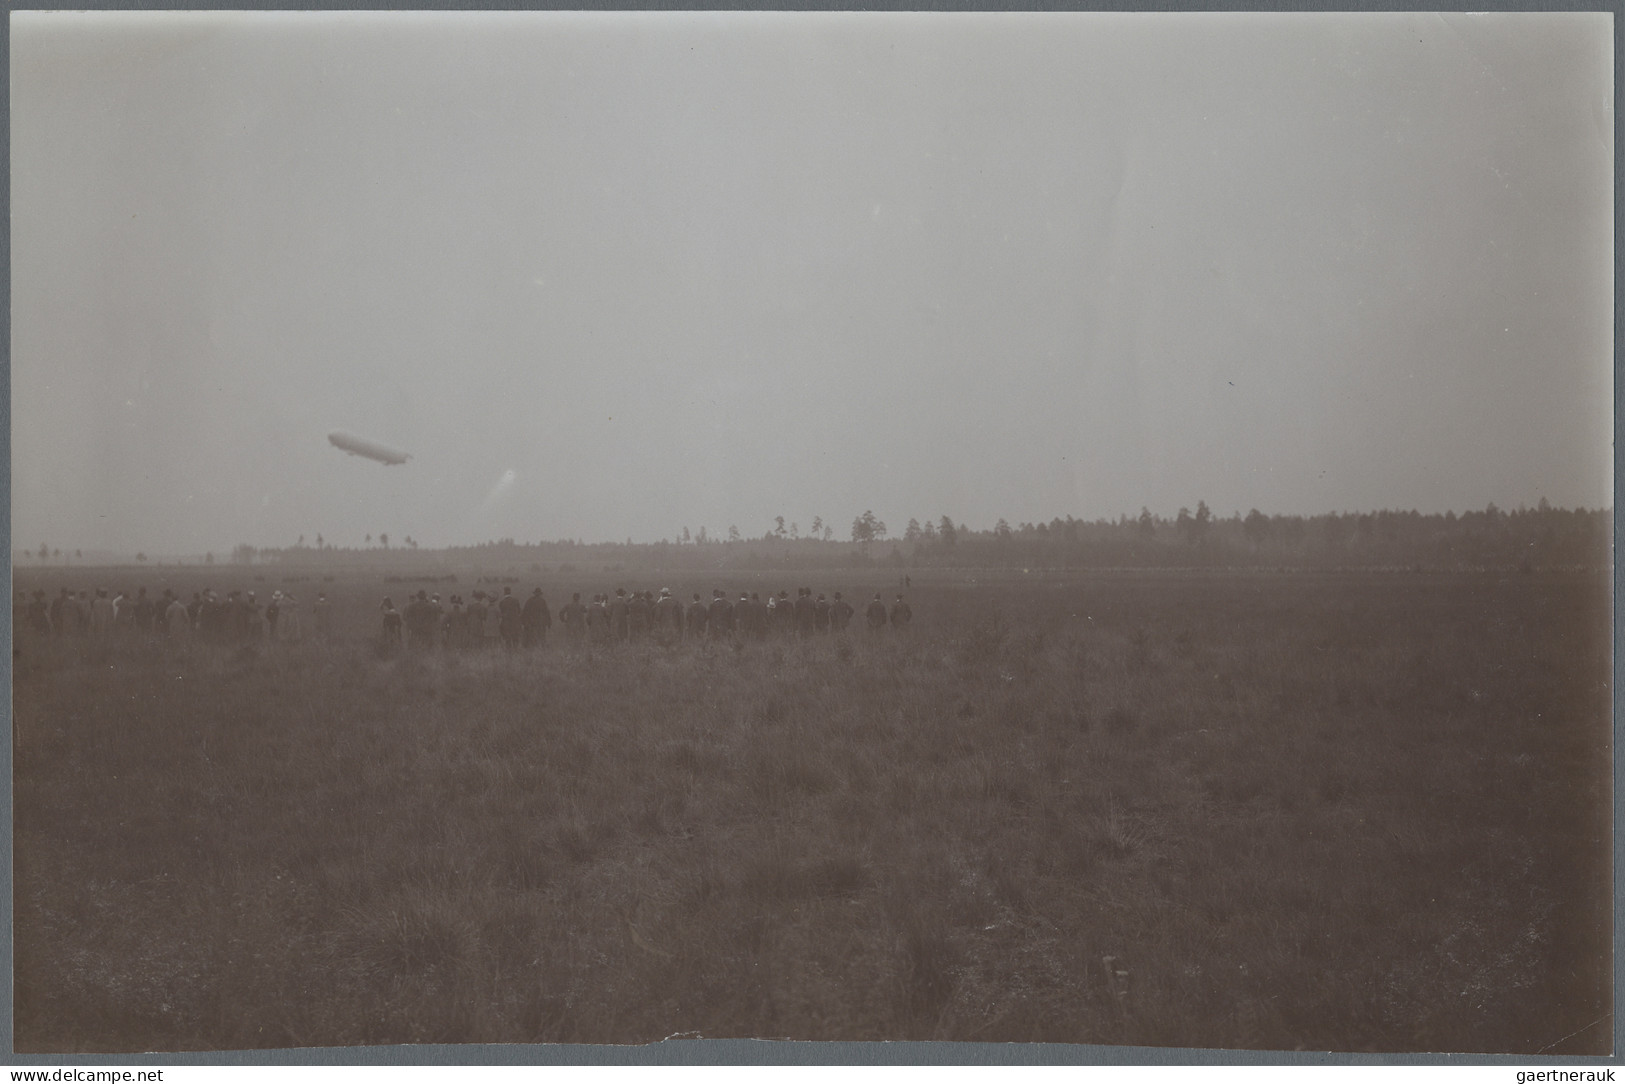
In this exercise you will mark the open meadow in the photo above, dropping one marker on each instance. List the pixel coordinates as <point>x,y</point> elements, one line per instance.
<point>1323,811</point>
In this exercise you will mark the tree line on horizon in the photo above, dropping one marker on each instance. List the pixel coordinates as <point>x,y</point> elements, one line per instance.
<point>1542,536</point>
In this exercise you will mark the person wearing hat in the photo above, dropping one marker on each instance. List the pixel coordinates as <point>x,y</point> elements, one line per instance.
<point>537,618</point>
<point>821,613</point>
<point>668,616</point>
<point>697,616</point>
<point>720,616</point>
<point>573,616</point>
<point>840,613</point>
<point>804,612</point>
<point>900,614</point>
<point>639,610</point>
<point>877,614</point>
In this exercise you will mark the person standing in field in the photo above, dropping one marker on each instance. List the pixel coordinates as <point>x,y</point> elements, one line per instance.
<point>141,613</point>
<point>877,614</point>
<point>668,616</point>
<point>211,618</point>
<point>454,626</point>
<point>436,624</point>
<point>321,613</point>
<point>900,614</point>
<point>180,623</point>
<point>220,616</point>
<point>638,611</point>
<point>231,618</point>
<point>160,613</point>
<point>804,612</point>
<point>512,616</point>
<point>39,614</point>
<point>292,632</point>
<point>720,617</point>
<point>598,619</point>
<point>412,615</point>
<point>484,614</point>
<point>493,621</point>
<point>390,632</point>
<point>821,613</point>
<point>784,615</point>
<point>62,612</point>
<point>574,618</point>
<point>253,620</point>
<point>123,612</point>
<point>273,614</point>
<point>474,623</point>
<point>620,615</point>
<point>537,619</point>
<point>697,615</point>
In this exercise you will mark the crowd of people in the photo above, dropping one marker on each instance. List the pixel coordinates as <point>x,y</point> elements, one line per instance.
<point>237,617</point>
<point>427,621</point>
<point>485,619</point>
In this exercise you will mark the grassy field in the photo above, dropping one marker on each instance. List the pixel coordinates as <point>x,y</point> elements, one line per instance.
<point>1329,812</point>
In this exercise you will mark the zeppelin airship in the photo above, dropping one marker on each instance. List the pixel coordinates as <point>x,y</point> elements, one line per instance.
<point>383,453</point>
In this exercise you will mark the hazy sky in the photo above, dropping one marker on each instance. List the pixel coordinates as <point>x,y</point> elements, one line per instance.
<point>710,268</point>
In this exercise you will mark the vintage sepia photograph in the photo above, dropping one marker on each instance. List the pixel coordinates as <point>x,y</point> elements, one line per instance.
<point>603,527</point>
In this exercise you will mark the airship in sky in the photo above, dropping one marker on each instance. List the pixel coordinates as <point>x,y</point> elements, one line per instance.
<point>355,445</point>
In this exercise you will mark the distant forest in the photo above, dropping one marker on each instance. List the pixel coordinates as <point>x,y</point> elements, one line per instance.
<point>1528,538</point>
